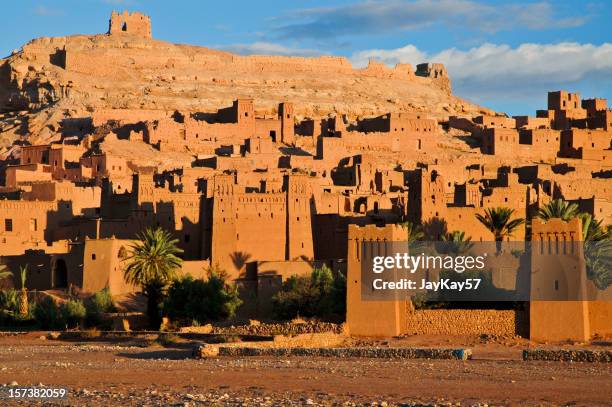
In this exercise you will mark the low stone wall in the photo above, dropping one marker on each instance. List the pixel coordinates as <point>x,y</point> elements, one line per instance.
<point>283,328</point>
<point>387,353</point>
<point>583,355</point>
<point>467,322</point>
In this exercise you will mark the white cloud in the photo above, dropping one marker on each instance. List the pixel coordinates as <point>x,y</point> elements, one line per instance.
<point>268,48</point>
<point>502,71</point>
<point>491,74</point>
<point>377,17</point>
<point>408,53</point>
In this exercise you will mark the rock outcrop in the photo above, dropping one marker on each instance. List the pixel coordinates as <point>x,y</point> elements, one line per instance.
<point>127,69</point>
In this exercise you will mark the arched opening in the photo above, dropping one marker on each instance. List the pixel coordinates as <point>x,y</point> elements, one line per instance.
<point>124,27</point>
<point>60,274</point>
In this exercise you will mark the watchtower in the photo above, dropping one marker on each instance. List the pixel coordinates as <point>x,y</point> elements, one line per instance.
<point>133,24</point>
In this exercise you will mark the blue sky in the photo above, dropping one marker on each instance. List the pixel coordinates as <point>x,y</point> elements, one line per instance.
<point>502,54</point>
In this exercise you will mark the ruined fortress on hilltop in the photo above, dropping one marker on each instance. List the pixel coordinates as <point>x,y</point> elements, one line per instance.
<point>269,166</point>
<point>128,69</point>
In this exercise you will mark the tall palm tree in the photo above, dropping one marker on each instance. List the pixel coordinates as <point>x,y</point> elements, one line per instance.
<point>499,222</point>
<point>152,264</point>
<point>457,242</point>
<point>558,208</point>
<point>24,306</point>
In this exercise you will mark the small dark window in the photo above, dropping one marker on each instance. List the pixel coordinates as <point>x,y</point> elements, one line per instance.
<point>556,285</point>
<point>8,225</point>
<point>93,256</point>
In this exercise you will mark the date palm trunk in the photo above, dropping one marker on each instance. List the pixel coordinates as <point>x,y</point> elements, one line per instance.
<point>24,305</point>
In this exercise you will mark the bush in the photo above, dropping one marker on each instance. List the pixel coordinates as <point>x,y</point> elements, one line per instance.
<point>99,303</point>
<point>48,315</point>
<point>322,294</point>
<point>202,301</point>
<point>73,313</point>
<point>9,300</point>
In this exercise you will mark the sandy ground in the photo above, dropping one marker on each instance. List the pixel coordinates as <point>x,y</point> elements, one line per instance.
<point>128,373</point>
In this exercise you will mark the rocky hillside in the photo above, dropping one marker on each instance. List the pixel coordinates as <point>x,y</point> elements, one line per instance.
<point>53,78</point>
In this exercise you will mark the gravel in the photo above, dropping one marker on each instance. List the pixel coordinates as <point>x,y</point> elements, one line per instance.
<point>579,355</point>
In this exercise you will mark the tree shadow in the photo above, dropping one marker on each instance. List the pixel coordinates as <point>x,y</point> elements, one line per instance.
<point>434,229</point>
<point>239,259</point>
<point>172,354</point>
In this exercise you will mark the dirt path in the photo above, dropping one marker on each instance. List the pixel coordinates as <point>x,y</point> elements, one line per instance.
<point>107,374</point>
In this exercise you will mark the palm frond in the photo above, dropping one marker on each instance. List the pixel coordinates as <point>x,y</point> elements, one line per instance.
<point>153,259</point>
<point>558,208</point>
<point>499,222</point>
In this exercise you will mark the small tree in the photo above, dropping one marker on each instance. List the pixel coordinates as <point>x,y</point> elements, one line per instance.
<point>321,294</point>
<point>4,272</point>
<point>499,221</point>
<point>558,208</point>
<point>597,251</point>
<point>99,303</point>
<point>592,229</point>
<point>202,300</point>
<point>457,242</point>
<point>413,232</point>
<point>152,265</point>
<point>24,306</point>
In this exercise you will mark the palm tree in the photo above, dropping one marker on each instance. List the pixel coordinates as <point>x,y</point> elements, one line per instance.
<point>597,251</point>
<point>458,243</point>
<point>152,265</point>
<point>592,229</point>
<point>4,272</point>
<point>414,235</point>
<point>413,232</point>
<point>24,306</point>
<point>558,208</point>
<point>498,221</point>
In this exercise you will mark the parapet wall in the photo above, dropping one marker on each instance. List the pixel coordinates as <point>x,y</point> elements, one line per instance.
<point>467,322</point>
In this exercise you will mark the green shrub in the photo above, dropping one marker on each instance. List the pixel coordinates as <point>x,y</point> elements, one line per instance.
<point>9,300</point>
<point>322,294</point>
<point>202,301</point>
<point>99,303</point>
<point>73,313</point>
<point>48,315</point>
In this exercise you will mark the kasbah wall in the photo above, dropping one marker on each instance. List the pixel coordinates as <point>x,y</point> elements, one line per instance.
<point>269,196</point>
